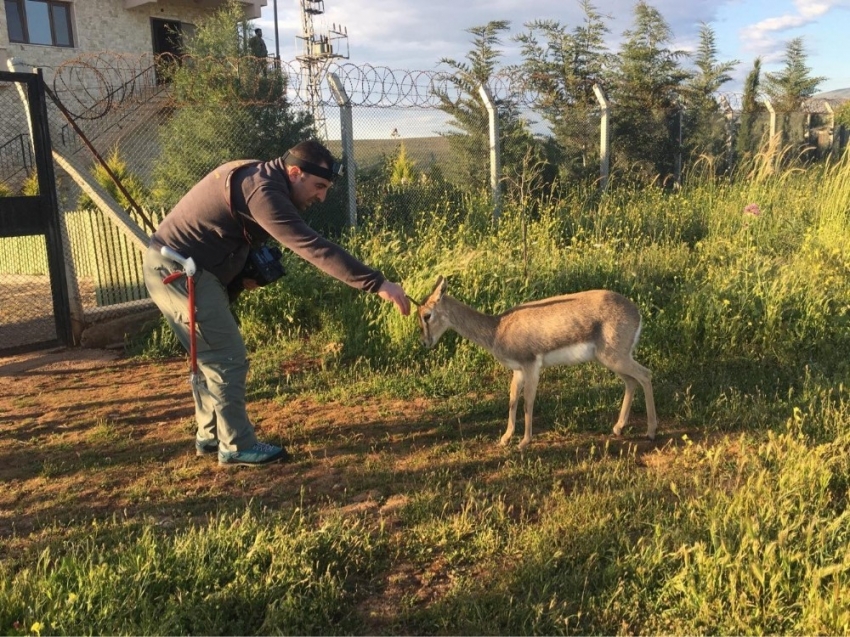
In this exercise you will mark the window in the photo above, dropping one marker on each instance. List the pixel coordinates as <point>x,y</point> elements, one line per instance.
<point>39,22</point>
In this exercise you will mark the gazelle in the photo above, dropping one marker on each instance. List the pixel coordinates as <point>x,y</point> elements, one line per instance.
<point>561,330</point>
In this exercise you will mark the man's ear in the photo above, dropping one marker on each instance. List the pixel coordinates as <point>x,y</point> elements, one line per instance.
<point>293,172</point>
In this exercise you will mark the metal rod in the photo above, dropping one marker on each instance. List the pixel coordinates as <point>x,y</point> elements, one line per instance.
<point>100,160</point>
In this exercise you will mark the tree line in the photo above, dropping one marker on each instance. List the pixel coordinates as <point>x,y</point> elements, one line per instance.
<point>664,110</point>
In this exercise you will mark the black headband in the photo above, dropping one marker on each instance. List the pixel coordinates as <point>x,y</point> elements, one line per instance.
<point>330,174</point>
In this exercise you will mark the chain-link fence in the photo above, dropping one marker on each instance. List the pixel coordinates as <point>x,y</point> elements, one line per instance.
<point>145,130</point>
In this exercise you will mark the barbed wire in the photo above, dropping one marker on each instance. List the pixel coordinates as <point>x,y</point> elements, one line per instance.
<point>92,84</point>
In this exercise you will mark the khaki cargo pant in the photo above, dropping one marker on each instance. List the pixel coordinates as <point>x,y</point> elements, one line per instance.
<point>222,359</point>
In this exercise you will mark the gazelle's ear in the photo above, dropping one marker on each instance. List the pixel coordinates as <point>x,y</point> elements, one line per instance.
<point>439,290</point>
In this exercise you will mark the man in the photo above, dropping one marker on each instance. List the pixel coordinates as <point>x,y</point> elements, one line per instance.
<point>256,44</point>
<point>236,206</point>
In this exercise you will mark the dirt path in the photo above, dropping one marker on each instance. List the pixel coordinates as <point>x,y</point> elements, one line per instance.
<point>90,433</point>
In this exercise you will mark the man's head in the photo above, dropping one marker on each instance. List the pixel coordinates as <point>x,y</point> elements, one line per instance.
<point>311,169</point>
<point>258,33</point>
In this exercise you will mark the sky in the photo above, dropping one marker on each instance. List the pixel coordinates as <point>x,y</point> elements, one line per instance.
<point>416,35</point>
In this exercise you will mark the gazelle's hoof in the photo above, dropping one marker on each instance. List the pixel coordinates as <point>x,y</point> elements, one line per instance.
<point>618,431</point>
<point>524,443</point>
<point>504,440</point>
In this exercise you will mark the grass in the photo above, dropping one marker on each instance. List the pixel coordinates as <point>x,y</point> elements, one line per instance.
<point>735,522</point>
<point>425,151</point>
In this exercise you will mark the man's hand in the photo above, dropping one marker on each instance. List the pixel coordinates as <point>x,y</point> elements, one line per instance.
<point>249,284</point>
<point>390,291</point>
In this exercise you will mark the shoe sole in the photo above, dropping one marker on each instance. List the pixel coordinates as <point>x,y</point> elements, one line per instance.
<point>241,463</point>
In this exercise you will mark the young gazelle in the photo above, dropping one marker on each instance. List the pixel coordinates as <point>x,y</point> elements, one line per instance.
<point>561,330</point>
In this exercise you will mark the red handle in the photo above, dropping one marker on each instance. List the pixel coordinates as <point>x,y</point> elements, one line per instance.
<point>172,277</point>
<point>193,350</point>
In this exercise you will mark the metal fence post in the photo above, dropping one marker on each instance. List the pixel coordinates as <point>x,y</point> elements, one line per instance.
<point>772,116</point>
<point>604,137</point>
<point>830,140</point>
<point>678,158</point>
<point>347,133</point>
<point>729,129</point>
<point>495,151</point>
<point>47,188</point>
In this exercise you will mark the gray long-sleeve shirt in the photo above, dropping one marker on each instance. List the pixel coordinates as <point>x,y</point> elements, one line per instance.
<point>202,226</point>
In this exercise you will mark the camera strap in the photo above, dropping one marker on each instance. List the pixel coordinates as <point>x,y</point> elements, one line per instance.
<point>228,195</point>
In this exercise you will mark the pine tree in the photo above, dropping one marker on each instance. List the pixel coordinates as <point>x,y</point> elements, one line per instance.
<point>705,123</point>
<point>749,133</point>
<point>646,86</point>
<point>227,107</point>
<point>790,87</point>
<point>561,67</point>
<point>470,143</point>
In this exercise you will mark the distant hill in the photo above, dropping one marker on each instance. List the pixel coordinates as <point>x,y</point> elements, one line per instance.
<point>841,94</point>
<point>422,150</point>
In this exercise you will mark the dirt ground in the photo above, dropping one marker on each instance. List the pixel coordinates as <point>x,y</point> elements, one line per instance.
<point>91,434</point>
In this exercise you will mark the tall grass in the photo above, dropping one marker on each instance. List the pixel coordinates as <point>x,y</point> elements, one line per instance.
<point>736,305</point>
<point>744,531</point>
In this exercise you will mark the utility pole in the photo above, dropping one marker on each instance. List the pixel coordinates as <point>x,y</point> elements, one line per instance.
<point>276,37</point>
<point>318,51</point>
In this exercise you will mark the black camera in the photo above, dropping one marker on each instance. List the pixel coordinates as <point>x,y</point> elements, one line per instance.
<point>263,265</point>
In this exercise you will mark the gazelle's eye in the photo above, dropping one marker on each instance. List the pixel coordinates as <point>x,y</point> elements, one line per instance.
<point>426,317</point>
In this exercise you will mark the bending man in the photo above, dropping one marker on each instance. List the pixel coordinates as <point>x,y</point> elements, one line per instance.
<point>236,206</point>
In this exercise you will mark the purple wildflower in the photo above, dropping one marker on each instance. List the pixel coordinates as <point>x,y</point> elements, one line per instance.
<point>752,209</point>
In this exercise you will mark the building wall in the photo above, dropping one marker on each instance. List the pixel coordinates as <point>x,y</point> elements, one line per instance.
<point>105,25</point>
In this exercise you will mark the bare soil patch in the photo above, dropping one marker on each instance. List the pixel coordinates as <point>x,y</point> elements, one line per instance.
<point>93,434</point>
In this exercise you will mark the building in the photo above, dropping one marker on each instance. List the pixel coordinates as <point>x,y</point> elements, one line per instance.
<point>46,33</point>
<point>98,59</point>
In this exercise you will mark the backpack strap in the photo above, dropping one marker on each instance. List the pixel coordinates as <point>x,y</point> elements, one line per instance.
<point>231,169</point>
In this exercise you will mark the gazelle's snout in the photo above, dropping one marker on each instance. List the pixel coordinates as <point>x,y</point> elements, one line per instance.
<point>425,334</point>
<point>431,319</point>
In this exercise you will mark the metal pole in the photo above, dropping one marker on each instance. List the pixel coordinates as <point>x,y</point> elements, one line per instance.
<point>772,117</point>
<point>604,137</point>
<point>276,38</point>
<point>679,149</point>
<point>347,134</point>
<point>831,129</point>
<point>67,329</point>
<point>495,151</point>
<point>729,116</point>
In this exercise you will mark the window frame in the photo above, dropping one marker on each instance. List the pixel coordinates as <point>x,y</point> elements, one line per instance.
<point>52,5</point>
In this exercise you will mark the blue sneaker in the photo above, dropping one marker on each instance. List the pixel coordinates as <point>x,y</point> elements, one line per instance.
<point>206,447</point>
<point>261,453</point>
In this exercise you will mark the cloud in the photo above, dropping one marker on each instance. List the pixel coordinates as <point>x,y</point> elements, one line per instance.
<point>809,11</point>
<point>812,9</point>
<point>765,38</point>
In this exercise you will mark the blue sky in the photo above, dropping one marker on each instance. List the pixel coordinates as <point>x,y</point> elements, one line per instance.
<point>415,35</point>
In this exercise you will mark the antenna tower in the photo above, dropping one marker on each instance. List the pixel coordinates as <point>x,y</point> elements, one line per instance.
<point>318,51</point>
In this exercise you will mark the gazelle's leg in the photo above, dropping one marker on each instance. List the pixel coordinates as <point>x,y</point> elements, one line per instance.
<point>642,375</point>
<point>625,409</point>
<point>645,380</point>
<point>532,374</point>
<point>516,385</point>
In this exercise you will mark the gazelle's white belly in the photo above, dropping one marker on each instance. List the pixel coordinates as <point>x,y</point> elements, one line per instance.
<point>569,355</point>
